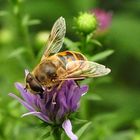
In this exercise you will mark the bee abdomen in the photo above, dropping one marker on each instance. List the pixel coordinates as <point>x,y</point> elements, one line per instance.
<point>80,56</point>
<point>69,56</point>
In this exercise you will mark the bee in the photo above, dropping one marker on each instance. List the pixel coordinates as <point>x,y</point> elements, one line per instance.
<point>55,67</point>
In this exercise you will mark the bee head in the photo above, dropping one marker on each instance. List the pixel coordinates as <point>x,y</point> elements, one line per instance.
<point>46,74</point>
<point>32,83</point>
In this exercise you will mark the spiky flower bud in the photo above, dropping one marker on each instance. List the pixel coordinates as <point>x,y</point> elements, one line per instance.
<point>86,23</point>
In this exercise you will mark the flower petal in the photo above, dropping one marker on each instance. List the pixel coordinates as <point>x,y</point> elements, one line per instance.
<point>29,107</point>
<point>68,129</point>
<point>84,89</point>
<point>31,99</point>
<point>76,97</point>
<point>28,97</point>
<point>71,94</point>
<point>39,115</point>
<point>30,113</point>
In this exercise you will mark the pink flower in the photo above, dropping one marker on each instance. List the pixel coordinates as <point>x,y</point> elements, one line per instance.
<point>104,18</point>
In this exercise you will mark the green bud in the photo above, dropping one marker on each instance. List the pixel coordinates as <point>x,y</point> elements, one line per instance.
<point>5,36</point>
<point>86,23</point>
<point>41,38</point>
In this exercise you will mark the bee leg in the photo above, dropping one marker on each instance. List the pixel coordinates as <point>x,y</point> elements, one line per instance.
<point>77,83</point>
<point>55,94</point>
<point>25,88</point>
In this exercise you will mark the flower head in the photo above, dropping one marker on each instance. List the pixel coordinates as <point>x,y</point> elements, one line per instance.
<point>104,18</point>
<point>67,102</point>
<point>85,23</point>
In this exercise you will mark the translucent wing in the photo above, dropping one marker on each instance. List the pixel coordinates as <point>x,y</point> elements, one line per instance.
<point>56,37</point>
<point>82,69</point>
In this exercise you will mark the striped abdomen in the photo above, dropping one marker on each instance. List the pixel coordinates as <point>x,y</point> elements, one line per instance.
<point>68,56</point>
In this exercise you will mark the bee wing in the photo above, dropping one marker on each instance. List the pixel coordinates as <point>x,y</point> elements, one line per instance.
<point>82,69</point>
<point>56,37</point>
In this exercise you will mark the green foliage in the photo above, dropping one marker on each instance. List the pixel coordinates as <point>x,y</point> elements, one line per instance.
<point>112,104</point>
<point>102,55</point>
<point>83,129</point>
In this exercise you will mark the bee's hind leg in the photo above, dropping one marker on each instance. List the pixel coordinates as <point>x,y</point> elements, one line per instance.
<point>76,81</point>
<point>55,94</point>
<point>25,88</point>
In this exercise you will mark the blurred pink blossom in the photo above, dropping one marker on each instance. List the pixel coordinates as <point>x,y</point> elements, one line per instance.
<point>104,18</point>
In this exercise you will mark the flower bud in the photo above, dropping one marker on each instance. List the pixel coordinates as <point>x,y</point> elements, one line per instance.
<point>5,36</point>
<point>41,38</point>
<point>86,23</point>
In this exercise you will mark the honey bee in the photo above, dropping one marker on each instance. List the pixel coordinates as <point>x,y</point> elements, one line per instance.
<point>55,67</point>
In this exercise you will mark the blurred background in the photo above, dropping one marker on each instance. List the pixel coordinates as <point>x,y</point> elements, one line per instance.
<point>112,105</point>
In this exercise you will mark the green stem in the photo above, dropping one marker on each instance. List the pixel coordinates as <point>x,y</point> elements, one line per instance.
<point>21,21</point>
<point>25,32</point>
<point>83,43</point>
<point>57,133</point>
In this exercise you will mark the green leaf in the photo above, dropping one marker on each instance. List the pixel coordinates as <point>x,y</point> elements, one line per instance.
<point>72,45</point>
<point>93,97</point>
<point>80,132</point>
<point>34,22</point>
<point>46,131</point>
<point>124,135</point>
<point>16,53</point>
<point>68,42</point>
<point>25,20</point>
<point>97,43</point>
<point>46,135</point>
<point>79,121</point>
<point>3,13</point>
<point>40,53</point>
<point>102,55</point>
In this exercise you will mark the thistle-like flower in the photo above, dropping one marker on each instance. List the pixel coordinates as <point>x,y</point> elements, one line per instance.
<point>67,102</point>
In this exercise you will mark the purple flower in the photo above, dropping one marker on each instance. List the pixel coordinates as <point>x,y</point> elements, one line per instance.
<point>67,102</point>
<point>104,18</point>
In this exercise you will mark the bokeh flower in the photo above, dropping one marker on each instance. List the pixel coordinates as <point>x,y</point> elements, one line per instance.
<point>104,19</point>
<point>67,102</point>
<point>6,36</point>
<point>41,38</point>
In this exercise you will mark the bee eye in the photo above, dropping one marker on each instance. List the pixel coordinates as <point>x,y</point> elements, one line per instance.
<point>41,77</point>
<point>29,78</point>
